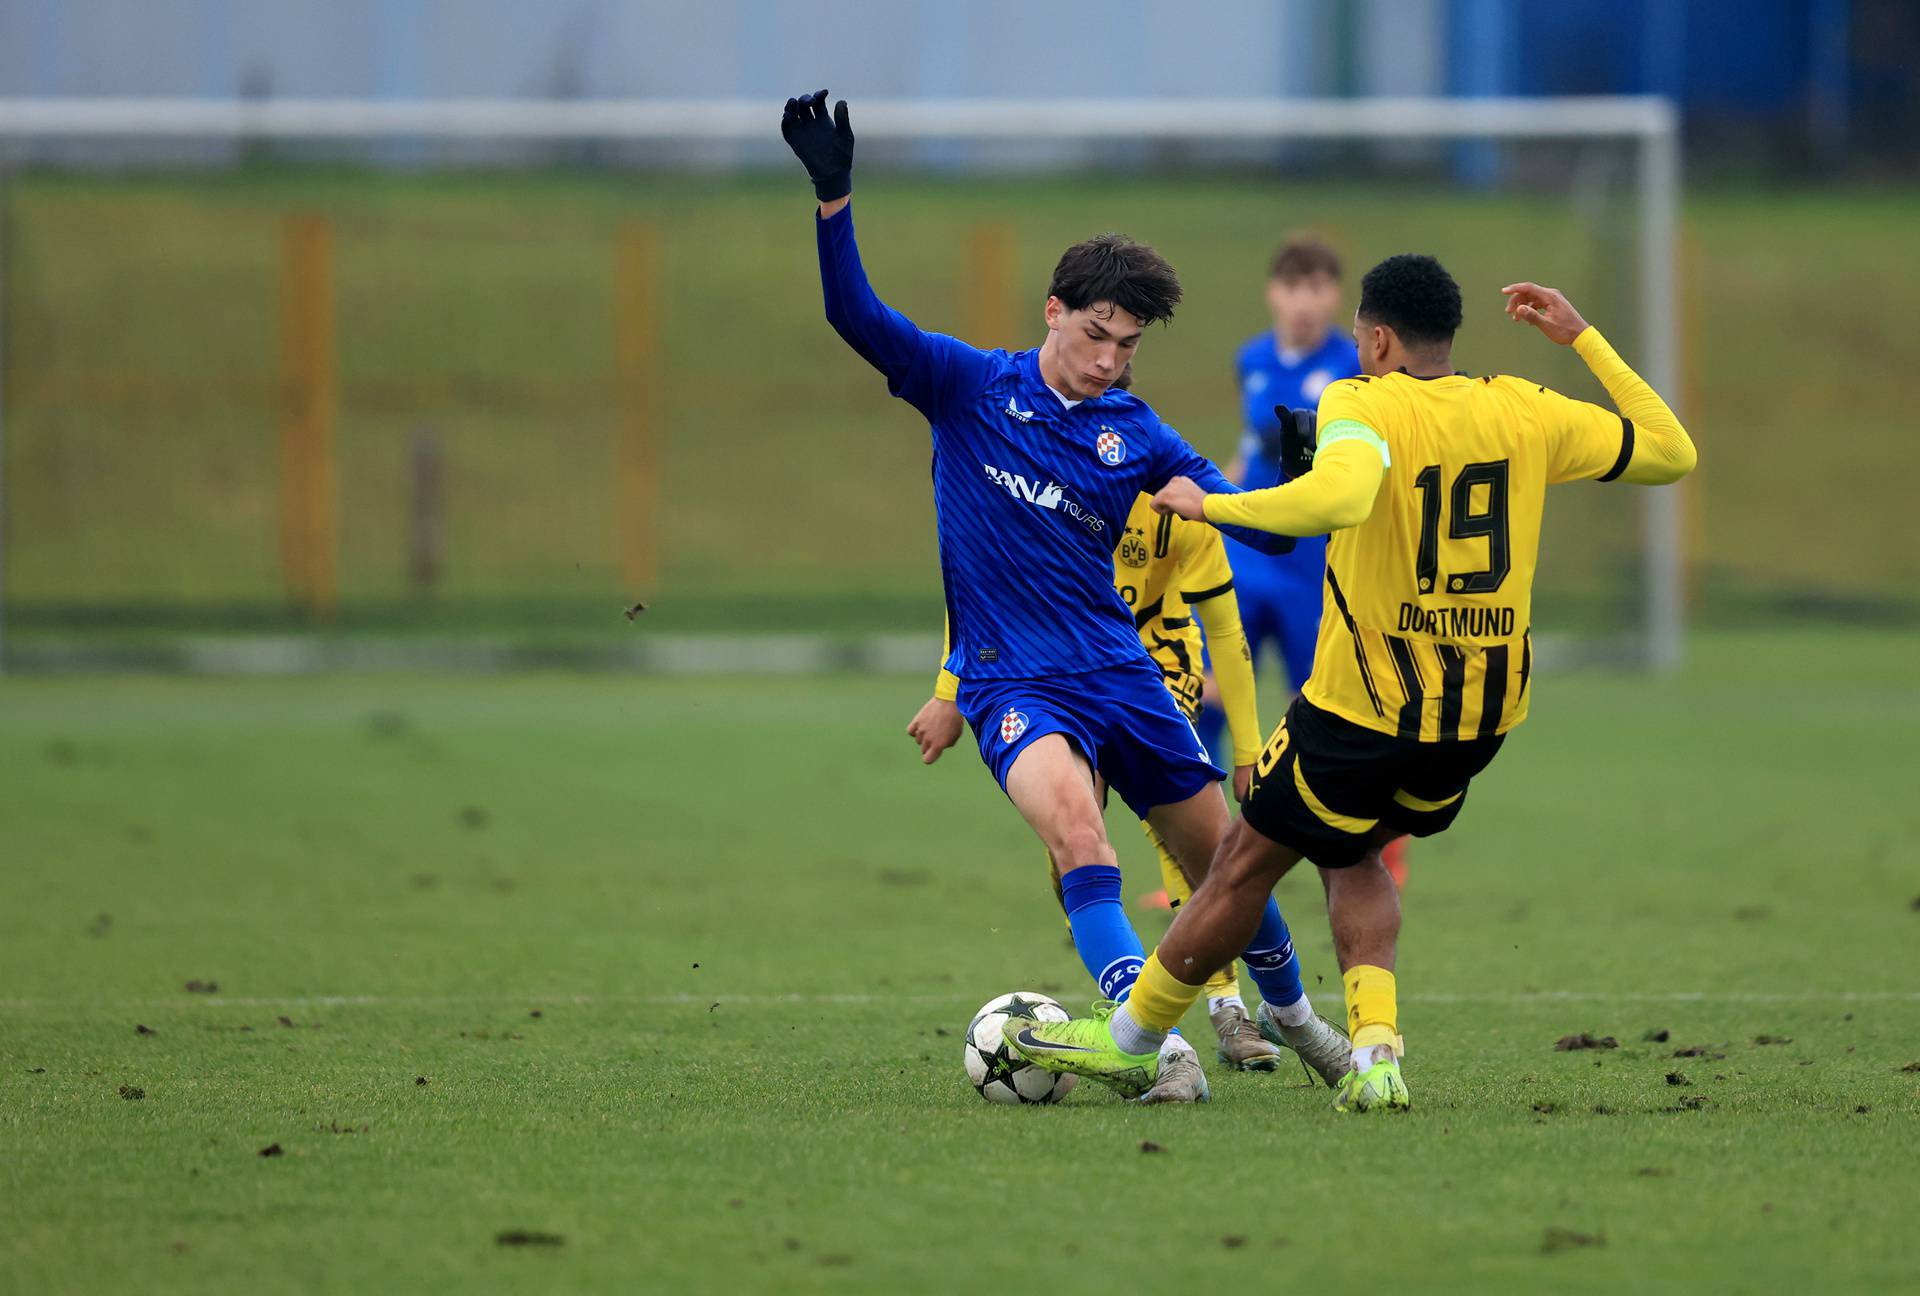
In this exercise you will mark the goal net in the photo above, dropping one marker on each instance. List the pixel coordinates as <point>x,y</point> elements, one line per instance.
<point>461,374</point>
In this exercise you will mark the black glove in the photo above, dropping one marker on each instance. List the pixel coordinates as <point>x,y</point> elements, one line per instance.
<point>1294,441</point>
<point>824,145</point>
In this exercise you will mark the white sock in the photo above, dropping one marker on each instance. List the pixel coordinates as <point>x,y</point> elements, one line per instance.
<point>1216,1002</point>
<point>1129,1036</point>
<point>1297,1013</point>
<point>1366,1057</point>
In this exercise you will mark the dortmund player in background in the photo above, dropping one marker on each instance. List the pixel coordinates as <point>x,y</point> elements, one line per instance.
<point>1171,571</point>
<point>1433,485</point>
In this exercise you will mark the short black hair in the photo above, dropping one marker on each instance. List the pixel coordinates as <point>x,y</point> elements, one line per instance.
<point>1113,268</point>
<point>1413,295</point>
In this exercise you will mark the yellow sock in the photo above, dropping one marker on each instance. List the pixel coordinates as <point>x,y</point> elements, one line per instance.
<point>1157,1000</point>
<point>1373,1015</point>
<point>1227,980</point>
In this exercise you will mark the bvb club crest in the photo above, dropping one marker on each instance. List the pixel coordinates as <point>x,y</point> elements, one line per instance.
<point>1133,550</point>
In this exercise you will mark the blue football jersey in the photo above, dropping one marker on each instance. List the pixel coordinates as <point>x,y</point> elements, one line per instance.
<point>1267,378</point>
<point>1031,492</point>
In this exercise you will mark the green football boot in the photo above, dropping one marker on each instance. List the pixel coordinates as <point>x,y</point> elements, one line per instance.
<point>1084,1047</point>
<point>1378,1088</point>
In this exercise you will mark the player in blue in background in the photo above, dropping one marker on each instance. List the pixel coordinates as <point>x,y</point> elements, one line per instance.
<point>1289,364</point>
<point>1037,460</point>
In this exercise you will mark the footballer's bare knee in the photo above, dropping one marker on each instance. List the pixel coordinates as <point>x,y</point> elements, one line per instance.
<point>1080,844</point>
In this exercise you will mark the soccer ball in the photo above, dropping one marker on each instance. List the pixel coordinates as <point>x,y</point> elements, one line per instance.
<point>998,1073</point>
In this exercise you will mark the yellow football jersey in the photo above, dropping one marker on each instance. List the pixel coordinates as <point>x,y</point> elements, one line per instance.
<point>1161,565</point>
<point>1429,601</point>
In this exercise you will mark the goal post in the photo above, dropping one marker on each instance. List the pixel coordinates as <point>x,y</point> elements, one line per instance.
<point>33,129</point>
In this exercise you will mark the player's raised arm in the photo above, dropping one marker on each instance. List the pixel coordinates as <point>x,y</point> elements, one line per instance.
<point>923,368</point>
<point>1652,448</point>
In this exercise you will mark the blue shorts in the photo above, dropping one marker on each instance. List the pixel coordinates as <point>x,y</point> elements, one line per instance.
<point>1122,719</point>
<point>1285,614</point>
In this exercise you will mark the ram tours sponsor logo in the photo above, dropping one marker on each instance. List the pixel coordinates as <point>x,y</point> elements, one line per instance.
<point>1050,496</point>
<point>1012,725</point>
<point>1014,411</point>
<point>1108,445</point>
<point>1457,622</point>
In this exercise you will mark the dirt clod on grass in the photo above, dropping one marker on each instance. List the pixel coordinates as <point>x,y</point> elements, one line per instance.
<point>1660,1036</point>
<point>284,1020</point>
<point>272,1150</point>
<point>1691,1102</point>
<point>1148,1145</point>
<point>527,1237</point>
<point>197,986</point>
<point>1653,1172</point>
<point>1773,1039</point>
<point>1558,1238</point>
<point>1677,1078</point>
<point>1698,1050</point>
<point>419,1080</point>
<point>1910,1068</point>
<point>1233,1241</point>
<point>138,1029</point>
<point>1584,1040</point>
<point>132,1093</point>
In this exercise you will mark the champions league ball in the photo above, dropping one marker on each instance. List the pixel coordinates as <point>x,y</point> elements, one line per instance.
<point>998,1073</point>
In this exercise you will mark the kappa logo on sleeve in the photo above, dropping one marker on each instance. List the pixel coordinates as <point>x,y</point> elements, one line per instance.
<point>1012,725</point>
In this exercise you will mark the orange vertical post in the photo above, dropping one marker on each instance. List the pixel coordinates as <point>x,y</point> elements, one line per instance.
<point>309,481</point>
<point>987,288</point>
<point>637,456</point>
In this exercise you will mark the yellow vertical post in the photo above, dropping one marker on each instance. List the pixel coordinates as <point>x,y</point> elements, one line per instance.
<point>637,458</point>
<point>987,287</point>
<point>309,482</point>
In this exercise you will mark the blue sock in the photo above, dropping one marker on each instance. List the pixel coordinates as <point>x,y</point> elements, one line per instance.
<point>1105,940</point>
<point>1271,962</point>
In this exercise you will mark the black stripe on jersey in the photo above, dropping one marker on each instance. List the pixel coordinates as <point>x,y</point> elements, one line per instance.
<point>1493,692</point>
<point>1163,535</point>
<point>1201,596</point>
<point>1180,654</point>
<point>1410,683</point>
<point>1453,684</point>
<point>1177,623</point>
<point>1626,450</point>
<point>1526,663</point>
<point>1148,613</point>
<point>1359,652</point>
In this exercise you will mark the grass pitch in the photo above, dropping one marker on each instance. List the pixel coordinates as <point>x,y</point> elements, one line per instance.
<point>613,984</point>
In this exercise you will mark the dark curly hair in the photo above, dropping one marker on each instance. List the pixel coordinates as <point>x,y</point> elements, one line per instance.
<point>1113,268</point>
<point>1414,296</point>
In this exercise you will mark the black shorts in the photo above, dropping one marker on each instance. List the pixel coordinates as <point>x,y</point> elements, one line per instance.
<point>1324,785</point>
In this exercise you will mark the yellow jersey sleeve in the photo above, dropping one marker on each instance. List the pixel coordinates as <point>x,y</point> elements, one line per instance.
<point>946,685</point>
<point>1205,582</point>
<point>1203,572</point>
<point>1642,442</point>
<point>1584,441</point>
